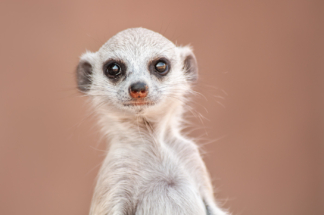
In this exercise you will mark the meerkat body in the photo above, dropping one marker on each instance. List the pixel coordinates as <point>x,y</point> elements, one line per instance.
<point>138,82</point>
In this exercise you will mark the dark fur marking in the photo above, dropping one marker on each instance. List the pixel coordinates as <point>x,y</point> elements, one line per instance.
<point>190,67</point>
<point>207,209</point>
<point>123,68</point>
<point>151,67</point>
<point>171,183</point>
<point>84,73</point>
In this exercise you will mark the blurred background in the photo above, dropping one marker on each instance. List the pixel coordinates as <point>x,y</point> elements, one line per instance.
<point>261,119</point>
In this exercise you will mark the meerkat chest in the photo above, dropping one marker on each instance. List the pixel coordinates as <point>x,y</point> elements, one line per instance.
<point>156,165</point>
<point>156,176</point>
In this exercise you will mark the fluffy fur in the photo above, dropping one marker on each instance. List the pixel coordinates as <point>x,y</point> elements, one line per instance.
<point>150,167</point>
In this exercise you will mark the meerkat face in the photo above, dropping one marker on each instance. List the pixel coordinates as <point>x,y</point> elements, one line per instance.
<point>137,70</point>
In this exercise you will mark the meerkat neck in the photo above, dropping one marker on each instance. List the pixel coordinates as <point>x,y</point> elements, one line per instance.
<point>123,128</point>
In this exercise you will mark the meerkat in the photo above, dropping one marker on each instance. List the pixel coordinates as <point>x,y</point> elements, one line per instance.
<point>138,83</point>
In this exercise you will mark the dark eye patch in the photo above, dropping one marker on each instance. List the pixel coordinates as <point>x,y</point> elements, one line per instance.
<point>159,67</point>
<point>114,69</point>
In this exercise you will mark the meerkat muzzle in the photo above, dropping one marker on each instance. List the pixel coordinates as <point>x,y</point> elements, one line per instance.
<point>138,90</point>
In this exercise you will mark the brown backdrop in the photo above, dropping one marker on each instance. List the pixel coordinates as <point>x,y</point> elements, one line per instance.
<point>261,71</point>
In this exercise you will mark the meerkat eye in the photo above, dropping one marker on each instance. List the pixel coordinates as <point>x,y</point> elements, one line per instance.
<point>113,70</point>
<point>161,67</point>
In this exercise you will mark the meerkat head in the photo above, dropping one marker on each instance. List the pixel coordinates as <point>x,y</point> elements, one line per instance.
<point>137,71</point>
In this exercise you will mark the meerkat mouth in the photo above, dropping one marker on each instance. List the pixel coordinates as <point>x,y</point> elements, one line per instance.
<point>139,103</point>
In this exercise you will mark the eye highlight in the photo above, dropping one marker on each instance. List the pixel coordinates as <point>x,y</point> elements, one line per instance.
<point>113,70</point>
<point>161,66</point>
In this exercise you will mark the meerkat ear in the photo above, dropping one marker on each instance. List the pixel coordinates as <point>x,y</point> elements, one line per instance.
<point>84,71</point>
<point>190,66</point>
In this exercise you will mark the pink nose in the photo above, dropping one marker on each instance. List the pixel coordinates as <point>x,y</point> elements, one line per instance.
<point>138,90</point>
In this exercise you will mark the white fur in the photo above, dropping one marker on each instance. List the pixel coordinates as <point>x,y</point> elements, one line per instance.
<point>150,168</point>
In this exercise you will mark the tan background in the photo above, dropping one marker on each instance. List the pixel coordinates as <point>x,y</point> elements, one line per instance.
<point>261,71</point>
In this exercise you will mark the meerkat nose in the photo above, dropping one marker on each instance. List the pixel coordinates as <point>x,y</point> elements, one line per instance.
<point>138,90</point>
